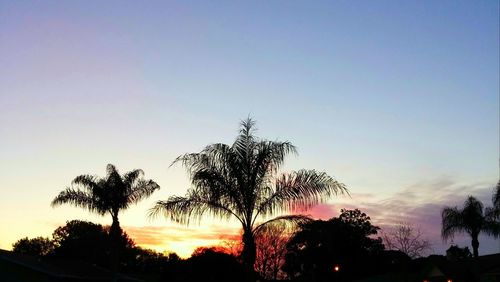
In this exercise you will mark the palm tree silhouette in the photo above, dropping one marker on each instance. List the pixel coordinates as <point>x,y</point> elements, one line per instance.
<point>241,181</point>
<point>470,219</point>
<point>111,194</point>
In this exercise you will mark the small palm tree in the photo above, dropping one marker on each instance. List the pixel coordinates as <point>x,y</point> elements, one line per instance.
<point>241,181</point>
<point>470,219</point>
<point>108,195</point>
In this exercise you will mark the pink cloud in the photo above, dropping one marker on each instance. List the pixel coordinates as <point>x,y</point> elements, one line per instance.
<point>419,204</point>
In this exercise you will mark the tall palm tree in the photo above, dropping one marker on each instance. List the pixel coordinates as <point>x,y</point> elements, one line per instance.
<point>470,219</point>
<point>108,195</point>
<point>241,181</point>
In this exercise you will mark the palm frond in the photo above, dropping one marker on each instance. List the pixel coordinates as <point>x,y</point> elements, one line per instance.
<point>490,225</point>
<point>452,222</point>
<point>87,182</point>
<point>132,176</point>
<point>290,222</point>
<point>184,209</point>
<point>111,169</point>
<point>245,142</point>
<point>142,190</point>
<point>212,155</point>
<point>269,157</point>
<point>77,198</point>
<point>300,190</point>
<point>215,175</point>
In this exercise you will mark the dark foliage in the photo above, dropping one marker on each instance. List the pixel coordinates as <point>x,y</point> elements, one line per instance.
<point>86,241</point>
<point>210,265</point>
<point>38,246</point>
<point>455,253</point>
<point>83,241</point>
<point>345,242</point>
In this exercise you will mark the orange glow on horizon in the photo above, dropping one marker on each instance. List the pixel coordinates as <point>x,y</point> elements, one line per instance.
<point>182,240</point>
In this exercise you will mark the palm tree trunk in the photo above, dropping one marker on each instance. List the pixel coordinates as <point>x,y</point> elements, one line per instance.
<point>249,252</point>
<point>114,234</point>
<point>475,245</point>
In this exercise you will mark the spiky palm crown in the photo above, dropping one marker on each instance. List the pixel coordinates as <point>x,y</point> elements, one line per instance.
<point>242,181</point>
<point>470,219</point>
<point>109,194</point>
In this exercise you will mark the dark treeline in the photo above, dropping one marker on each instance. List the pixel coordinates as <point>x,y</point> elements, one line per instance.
<point>310,253</point>
<point>242,181</point>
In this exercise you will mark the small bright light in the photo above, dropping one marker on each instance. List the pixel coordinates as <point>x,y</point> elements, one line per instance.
<point>336,268</point>
<point>449,280</point>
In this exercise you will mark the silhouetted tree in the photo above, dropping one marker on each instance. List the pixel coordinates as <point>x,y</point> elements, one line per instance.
<point>232,247</point>
<point>495,211</point>
<point>141,260</point>
<point>82,240</point>
<point>455,253</point>
<point>241,181</point>
<point>271,249</point>
<point>38,246</point>
<point>345,242</point>
<point>108,195</point>
<point>406,238</point>
<point>87,241</point>
<point>469,219</point>
<point>208,264</point>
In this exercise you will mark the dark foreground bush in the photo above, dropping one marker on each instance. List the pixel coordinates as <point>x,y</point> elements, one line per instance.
<point>210,265</point>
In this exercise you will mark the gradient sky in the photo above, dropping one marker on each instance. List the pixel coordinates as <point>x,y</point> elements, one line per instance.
<point>397,99</point>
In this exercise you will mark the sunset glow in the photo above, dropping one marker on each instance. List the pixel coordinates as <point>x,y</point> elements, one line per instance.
<point>398,101</point>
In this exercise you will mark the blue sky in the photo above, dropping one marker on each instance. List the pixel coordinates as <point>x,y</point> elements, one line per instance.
<point>383,95</point>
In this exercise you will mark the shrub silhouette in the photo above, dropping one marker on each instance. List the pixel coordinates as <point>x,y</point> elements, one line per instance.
<point>38,246</point>
<point>345,242</point>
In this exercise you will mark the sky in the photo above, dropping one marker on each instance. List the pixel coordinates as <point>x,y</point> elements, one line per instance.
<point>399,100</point>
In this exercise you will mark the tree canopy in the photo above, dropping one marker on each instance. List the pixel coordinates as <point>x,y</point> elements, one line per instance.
<point>345,242</point>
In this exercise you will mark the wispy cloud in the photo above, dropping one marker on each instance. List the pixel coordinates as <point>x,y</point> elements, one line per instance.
<point>420,204</point>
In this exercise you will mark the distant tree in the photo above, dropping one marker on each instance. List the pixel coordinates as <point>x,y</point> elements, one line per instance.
<point>271,249</point>
<point>87,241</point>
<point>142,260</point>
<point>232,247</point>
<point>108,195</point>
<point>455,253</point>
<point>241,181</point>
<point>211,249</point>
<point>38,246</point>
<point>407,238</point>
<point>345,242</point>
<point>210,265</point>
<point>470,219</point>
<point>494,212</point>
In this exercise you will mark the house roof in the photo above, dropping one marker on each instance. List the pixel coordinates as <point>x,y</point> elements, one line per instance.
<point>64,270</point>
